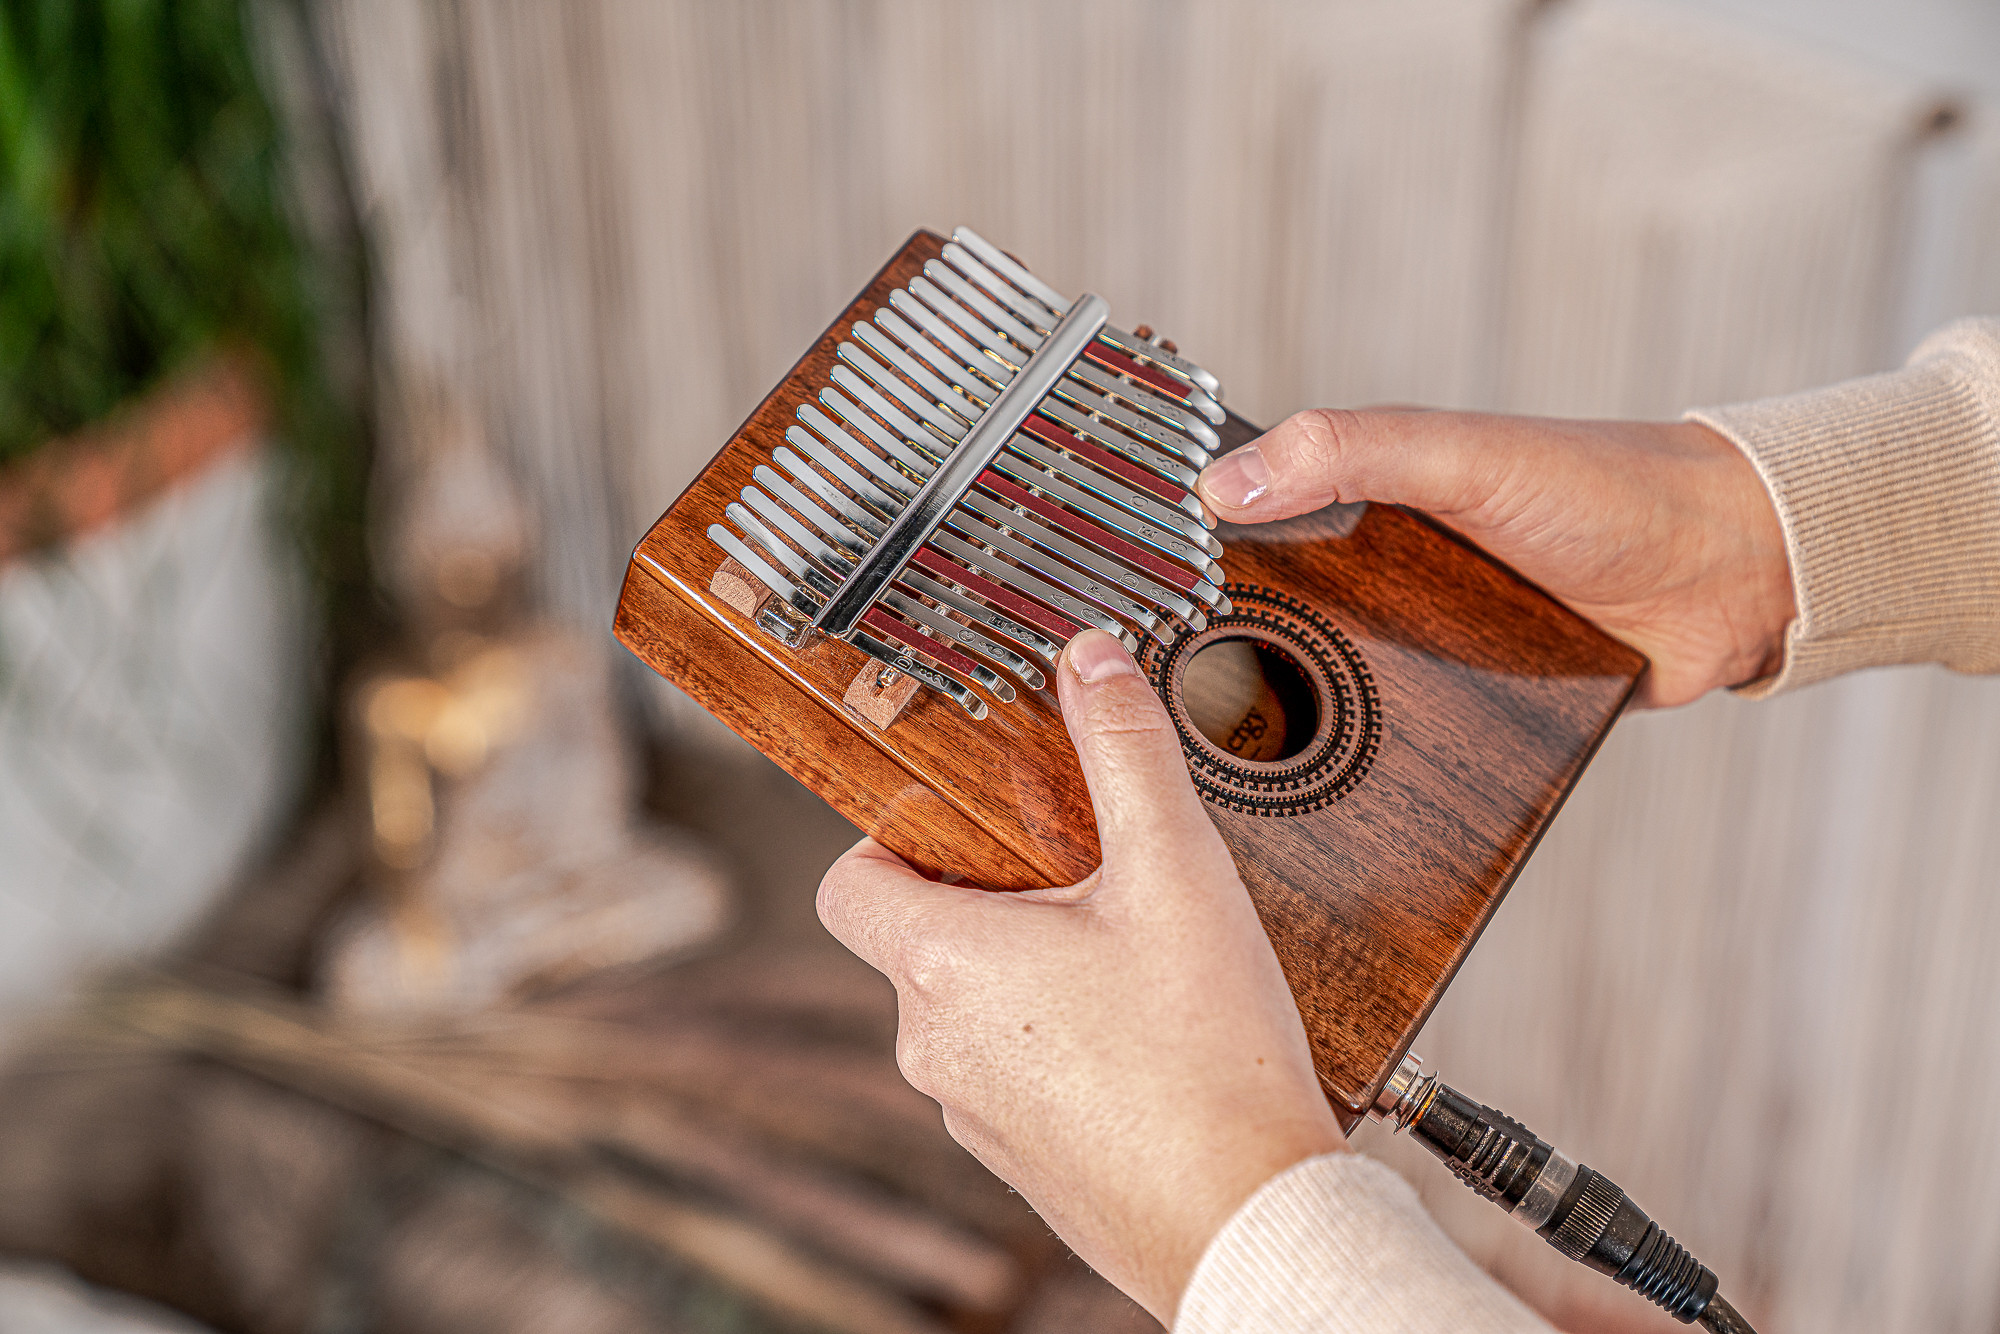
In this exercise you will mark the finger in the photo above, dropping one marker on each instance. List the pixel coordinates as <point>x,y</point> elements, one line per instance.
<point>1147,810</point>
<point>876,904</point>
<point>1432,461</point>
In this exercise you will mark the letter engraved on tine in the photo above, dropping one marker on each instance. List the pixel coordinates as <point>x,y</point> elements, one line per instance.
<point>919,519</point>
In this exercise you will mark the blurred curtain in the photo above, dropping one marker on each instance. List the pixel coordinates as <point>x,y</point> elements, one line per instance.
<point>1747,973</point>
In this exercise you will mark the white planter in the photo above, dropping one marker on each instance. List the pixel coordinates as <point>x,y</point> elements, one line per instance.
<point>154,692</point>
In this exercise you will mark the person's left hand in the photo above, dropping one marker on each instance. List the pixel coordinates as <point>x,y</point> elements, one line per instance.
<point>1123,1051</point>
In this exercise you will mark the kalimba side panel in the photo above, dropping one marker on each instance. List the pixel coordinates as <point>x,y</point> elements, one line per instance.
<point>1452,707</point>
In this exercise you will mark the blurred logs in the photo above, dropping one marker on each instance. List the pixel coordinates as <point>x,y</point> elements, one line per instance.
<point>786,1163</point>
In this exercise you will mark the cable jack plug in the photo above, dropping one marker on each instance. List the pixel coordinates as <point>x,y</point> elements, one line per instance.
<point>1578,1210</point>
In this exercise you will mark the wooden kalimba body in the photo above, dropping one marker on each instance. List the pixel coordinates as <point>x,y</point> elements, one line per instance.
<point>872,581</point>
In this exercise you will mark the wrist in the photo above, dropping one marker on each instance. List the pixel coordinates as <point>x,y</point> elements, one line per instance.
<point>1752,574</point>
<point>1265,1156</point>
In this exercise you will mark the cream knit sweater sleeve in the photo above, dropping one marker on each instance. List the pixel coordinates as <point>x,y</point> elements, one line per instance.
<point>1888,488</point>
<point>1889,492</point>
<point>1340,1243</point>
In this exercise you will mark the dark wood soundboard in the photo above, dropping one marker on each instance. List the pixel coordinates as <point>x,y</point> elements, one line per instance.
<point>1459,706</point>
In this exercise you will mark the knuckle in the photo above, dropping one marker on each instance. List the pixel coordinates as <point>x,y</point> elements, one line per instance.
<point>834,900</point>
<point>931,969</point>
<point>917,1057</point>
<point>1324,437</point>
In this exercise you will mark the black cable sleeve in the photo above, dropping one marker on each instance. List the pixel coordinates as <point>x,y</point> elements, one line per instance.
<point>1721,1318</point>
<point>1593,1221</point>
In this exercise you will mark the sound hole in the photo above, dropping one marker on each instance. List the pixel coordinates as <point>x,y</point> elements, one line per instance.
<point>1250,698</point>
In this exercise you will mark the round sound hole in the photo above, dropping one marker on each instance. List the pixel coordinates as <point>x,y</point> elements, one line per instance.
<point>1276,708</point>
<point>1251,698</point>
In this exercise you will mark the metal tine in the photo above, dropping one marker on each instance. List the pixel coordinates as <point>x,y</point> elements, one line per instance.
<point>974,451</point>
<point>981,363</point>
<point>1179,367</point>
<point>908,438</point>
<point>1115,489</point>
<point>882,502</point>
<point>831,529</point>
<point>924,301</point>
<point>1137,450</point>
<point>896,658</point>
<point>937,649</point>
<point>998,260</point>
<point>1060,487</point>
<point>1194,439</point>
<point>1039,315</point>
<point>967,382</point>
<point>1030,312</point>
<point>1083,558</point>
<point>941,301</point>
<point>1186,610</point>
<point>1175,391</point>
<point>788,592</point>
<point>897,481</point>
<point>814,540</point>
<point>1050,568</point>
<point>914,436</point>
<point>1081,526</point>
<point>1033,640</point>
<point>954,283</point>
<point>944,422</point>
<point>1003,265</point>
<point>955,398</point>
<point>1025,581</point>
<point>750,526</point>
<point>903,331</point>
<point>910,608</point>
<point>1037,615</point>
<point>1090,401</point>
<point>856,513</point>
<point>1176,418</point>
<point>811,581</point>
<point>1143,399</point>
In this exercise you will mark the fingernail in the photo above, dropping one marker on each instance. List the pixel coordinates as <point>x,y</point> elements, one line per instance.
<point>1096,656</point>
<point>1237,478</point>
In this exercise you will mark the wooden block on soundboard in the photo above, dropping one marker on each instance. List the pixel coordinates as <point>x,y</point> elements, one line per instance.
<point>880,694</point>
<point>739,589</point>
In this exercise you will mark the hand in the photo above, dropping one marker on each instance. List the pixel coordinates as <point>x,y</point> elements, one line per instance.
<point>1123,1051</point>
<point>1662,534</point>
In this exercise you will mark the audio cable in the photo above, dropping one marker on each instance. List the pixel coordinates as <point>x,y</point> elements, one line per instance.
<point>1578,1210</point>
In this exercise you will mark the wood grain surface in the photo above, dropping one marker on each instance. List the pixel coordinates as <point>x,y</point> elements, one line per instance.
<point>1488,698</point>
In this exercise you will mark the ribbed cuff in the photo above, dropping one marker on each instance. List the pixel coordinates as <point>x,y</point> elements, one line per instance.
<point>1340,1243</point>
<point>1889,492</point>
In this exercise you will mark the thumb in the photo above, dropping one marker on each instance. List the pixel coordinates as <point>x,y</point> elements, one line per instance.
<point>1147,810</point>
<point>1427,460</point>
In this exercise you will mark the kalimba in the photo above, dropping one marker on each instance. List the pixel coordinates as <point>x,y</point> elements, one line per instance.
<point>873,580</point>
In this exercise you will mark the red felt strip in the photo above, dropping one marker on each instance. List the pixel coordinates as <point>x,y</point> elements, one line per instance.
<point>1078,526</point>
<point>1055,435</point>
<point>1112,359</point>
<point>1026,610</point>
<point>918,640</point>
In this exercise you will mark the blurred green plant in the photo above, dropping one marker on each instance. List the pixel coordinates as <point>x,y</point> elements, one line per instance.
<point>145,223</point>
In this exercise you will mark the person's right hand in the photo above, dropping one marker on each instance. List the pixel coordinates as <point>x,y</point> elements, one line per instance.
<point>1660,533</point>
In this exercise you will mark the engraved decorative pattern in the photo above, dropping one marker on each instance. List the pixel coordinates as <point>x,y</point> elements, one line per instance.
<point>1343,746</point>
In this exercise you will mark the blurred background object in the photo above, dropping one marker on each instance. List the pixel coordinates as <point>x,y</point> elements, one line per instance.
<point>425,1066</point>
<point>499,791</point>
<point>177,469</point>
